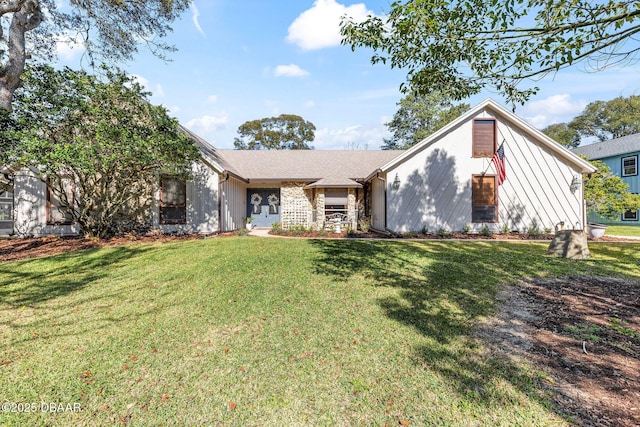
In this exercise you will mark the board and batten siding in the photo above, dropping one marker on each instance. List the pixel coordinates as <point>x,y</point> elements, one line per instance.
<point>435,184</point>
<point>30,208</point>
<point>202,203</point>
<point>233,204</point>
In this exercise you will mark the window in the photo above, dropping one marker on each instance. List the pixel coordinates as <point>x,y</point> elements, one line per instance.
<point>173,200</point>
<point>484,200</point>
<point>59,204</point>
<point>6,209</point>
<point>336,200</point>
<point>630,166</point>
<point>484,137</point>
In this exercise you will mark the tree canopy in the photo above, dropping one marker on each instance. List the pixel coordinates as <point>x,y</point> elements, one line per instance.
<point>603,120</point>
<point>109,30</point>
<point>100,136</point>
<point>563,133</point>
<point>462,46</point>
<point>285,132</point>
<point>609,119</point>
<point>419,116</point>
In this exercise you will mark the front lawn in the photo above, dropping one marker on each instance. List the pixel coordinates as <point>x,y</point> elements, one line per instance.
<point>251,331</point>
<point>623,230</point>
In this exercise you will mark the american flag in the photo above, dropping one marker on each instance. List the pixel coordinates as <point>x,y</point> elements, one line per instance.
<point>498,163</point>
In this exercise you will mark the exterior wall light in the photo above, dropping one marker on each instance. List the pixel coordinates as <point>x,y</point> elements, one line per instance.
<point>575,184</point>
<point>396,182</point>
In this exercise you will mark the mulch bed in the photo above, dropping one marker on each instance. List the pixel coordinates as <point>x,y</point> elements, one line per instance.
<point>584,332</point>
<point>15,249</point>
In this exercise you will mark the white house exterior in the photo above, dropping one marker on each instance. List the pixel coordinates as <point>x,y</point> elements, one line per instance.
<point>434,180</point>
<point>447,181</point>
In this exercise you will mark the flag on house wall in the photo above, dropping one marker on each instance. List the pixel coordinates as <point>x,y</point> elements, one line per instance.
<point>498,163</point>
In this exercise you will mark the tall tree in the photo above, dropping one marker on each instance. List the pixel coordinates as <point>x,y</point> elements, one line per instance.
<point>285,132</point>
<point>609,119</point>
<point>102,137</point>
<point>461,46</point>
<point>563,133</point>
<point>110,30</point>
<point>419,116</point>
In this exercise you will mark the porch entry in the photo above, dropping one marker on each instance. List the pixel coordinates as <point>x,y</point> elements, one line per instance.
<point>6,212</point>
<point>263,205</point>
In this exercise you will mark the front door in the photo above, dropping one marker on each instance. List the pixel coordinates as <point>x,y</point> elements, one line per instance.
<point>6,212</point>
<point>263,205</point>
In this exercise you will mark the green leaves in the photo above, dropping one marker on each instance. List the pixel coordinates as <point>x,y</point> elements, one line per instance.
<point>420,116</point>
<point>285,132</point>
<point>606,194</point>
<point>465,45</point>
<point>104,134</point>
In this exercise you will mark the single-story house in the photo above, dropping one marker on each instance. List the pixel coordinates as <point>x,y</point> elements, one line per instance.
<point>453,180</point>
<point>621,156</point>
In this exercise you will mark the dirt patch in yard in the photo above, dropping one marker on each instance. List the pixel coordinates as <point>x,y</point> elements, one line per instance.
<point>584,332</point>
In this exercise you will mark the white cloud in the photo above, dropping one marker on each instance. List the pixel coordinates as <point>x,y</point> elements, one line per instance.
<point>209,123</point>
<point>67,48</point>
<point>319,27</point>
<point>554,109</point>
<point>212,99</point>
<point>141,81</point>
<point>356,137</point>
<point>159,90</point>
<point>195,15</point>
<point>290,70</point>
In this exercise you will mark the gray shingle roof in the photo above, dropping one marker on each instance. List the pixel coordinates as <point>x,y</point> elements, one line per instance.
<point>613,147</point>
<point>305,165</point>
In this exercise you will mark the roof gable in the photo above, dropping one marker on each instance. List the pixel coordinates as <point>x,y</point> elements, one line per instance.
<point>506,116</point>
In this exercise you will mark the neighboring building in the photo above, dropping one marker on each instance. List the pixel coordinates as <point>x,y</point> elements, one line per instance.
<point>448,181</point>
<point>621,157</point>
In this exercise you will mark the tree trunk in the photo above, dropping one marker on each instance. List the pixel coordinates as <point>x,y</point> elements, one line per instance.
<point>26,18</point>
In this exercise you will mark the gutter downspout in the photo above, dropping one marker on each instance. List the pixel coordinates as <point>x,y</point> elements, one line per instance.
<point>225,179</point>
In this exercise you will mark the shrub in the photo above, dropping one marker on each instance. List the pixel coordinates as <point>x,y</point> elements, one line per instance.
<point>533,231</point>
<point>486,231</point>
<point>364,224</point>
<point>275,228</point>
<point>443,233</point>
<point>466,229</point>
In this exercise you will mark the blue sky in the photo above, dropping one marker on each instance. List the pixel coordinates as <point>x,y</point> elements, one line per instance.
<point>245,60</point>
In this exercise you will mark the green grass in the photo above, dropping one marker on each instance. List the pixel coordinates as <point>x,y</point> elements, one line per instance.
<point>623,230</point>
<point>249,331</point>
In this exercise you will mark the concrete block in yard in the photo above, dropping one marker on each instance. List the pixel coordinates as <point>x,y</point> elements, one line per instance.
<point>569,244</point>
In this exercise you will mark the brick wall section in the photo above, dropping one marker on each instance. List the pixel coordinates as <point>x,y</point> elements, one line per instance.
<point>320,208</point>
<point>351,206</point>
<point>296,205</point>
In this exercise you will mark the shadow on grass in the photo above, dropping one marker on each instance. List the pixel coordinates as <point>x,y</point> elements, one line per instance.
<point>60,275</point>
<point>444,288</point>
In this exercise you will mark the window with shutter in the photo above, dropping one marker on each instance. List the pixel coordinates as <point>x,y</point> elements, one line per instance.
<point>484,200</point>
<point>484,138</point>
<point>173,200</point>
